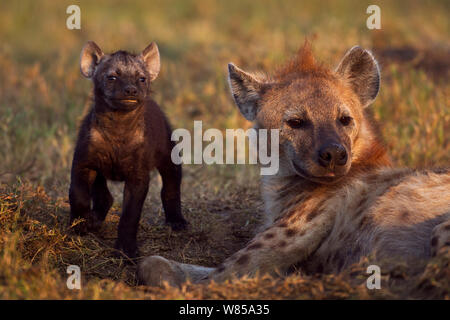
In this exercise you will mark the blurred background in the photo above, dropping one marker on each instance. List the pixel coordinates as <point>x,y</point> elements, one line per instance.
<point>43,96</point>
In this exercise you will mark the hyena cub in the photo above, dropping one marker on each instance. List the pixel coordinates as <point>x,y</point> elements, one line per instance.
<point>123,137</point>
<point>335,198</point>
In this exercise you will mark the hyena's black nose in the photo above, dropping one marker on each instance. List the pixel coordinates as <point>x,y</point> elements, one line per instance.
<point>130,90</point>
<point>332,154</point>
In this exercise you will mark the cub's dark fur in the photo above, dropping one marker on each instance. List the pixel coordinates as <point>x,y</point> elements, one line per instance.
<point>123,137</point>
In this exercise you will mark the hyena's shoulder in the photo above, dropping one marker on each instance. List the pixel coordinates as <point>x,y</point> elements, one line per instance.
<point>388,212</point>
<point>401,187</point>
<point>419,194</point>
<point>404,193</point>
<point>409,183</point>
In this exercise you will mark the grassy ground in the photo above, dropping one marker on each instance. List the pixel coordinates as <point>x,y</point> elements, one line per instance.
<point>43,97</point>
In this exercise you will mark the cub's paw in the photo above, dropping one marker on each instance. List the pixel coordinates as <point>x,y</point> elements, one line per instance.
<point>178,224</point>
<point>129,250</point>
<point>79,226</point>
<point>94,223</point>
<point>155,270</point>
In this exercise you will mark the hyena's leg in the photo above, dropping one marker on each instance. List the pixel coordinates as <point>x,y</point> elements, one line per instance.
<point>170,194</point>
<point>102,201</point>
<point>80,196</point>
<point>134,195</point>
<point>154,270</point>
<point>440,237</point>
<point>271,251</point>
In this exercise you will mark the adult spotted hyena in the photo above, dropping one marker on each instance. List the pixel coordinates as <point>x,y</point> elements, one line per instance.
<point>335,198</point>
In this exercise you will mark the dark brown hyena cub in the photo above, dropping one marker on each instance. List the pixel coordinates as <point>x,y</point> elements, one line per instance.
<point>123,137</point>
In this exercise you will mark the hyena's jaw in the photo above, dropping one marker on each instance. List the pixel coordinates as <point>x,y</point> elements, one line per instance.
<point>299,172</point>
<point>328,180</point>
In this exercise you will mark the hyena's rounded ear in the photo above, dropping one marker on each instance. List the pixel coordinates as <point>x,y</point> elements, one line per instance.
<point>150,55</point>
<point>89,58</point>
<point>246,91</point>
<point>361,70</point>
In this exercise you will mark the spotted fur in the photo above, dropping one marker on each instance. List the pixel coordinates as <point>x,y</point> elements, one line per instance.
<point>325,218</point>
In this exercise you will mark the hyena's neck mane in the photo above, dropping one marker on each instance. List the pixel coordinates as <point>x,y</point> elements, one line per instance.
<point>282,194</point>
<point>369,152</point>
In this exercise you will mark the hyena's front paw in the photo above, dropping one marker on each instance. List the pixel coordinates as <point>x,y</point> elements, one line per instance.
<point>440,237</point>
<point>79,226</point>
<point>178,224</point>
<point>154,270</point>
<point>94,222</point>
<point>129,248</point>
<point>90,223</point>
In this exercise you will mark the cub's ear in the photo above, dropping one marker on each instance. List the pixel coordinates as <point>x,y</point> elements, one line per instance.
<point>150,55</point>
<point>246,91</point>
<point>360,69</point>
<point>89,59</point>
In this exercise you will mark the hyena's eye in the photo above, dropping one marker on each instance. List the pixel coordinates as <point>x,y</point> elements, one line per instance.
<point>345,120</point>
<point>112,78</point>
<point>142,79</point>
<point>296,123</point>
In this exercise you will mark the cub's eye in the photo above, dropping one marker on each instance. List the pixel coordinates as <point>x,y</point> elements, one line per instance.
<point>142,79</point>
<point>296,123</point>
<point>112,78</point>
<point>345,120</point>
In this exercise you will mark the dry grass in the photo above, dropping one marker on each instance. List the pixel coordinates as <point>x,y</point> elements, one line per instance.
<point>43,97</point>
<point>37,246</point>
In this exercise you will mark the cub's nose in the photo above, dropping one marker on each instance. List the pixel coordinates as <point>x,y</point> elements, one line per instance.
<point>332,155</point>
<point>130,90</point>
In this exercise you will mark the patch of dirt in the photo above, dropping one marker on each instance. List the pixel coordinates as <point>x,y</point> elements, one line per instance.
<point>221,221</point>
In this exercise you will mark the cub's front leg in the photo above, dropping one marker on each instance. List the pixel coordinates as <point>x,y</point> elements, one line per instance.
<point>135,192</point>
<point>81,182</point>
